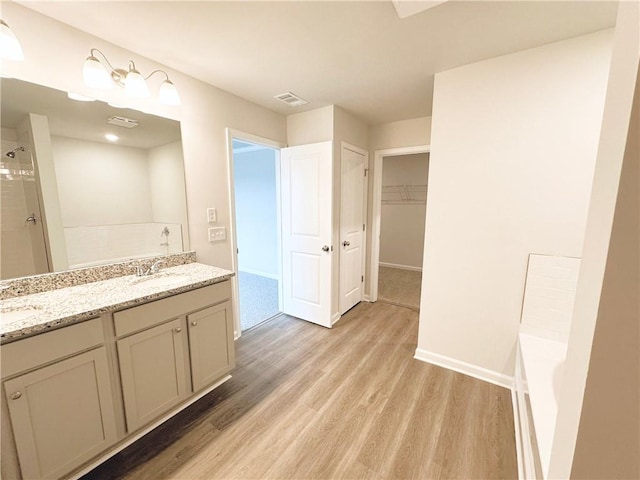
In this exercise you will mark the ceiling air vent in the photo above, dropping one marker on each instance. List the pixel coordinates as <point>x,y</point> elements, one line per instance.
<point>290,99</point>
<point>122,121</point>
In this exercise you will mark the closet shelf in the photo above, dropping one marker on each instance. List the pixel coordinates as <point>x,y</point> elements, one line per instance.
<point>404,195</point>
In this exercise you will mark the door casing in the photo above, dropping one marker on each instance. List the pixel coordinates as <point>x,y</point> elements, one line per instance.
<point>232,135</point>
<point>376,209</point>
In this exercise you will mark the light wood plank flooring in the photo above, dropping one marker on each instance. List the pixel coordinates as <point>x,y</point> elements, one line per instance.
<point>346,403</point>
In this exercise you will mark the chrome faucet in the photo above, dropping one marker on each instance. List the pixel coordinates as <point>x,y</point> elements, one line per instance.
<point>154,268</point>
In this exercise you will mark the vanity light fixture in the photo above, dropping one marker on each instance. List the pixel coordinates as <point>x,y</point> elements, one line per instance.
<point>10,48</point>
<point>103,75</point>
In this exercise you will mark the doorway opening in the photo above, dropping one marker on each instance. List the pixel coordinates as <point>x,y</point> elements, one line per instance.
<point>256,227</point>
<point>400,198</point>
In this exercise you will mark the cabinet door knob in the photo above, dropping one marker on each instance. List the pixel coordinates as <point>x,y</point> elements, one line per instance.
<point>16,395</point>
<point>194,324</point>
<point>177,329</point>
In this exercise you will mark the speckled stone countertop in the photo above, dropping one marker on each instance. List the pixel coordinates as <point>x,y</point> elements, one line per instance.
<point>45,311</point>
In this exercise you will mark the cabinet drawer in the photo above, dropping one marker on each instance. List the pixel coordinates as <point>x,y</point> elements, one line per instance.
<point>47,347</point>
<point>154,313</point>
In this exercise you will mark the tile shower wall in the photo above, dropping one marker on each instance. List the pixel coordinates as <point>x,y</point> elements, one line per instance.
<point>18,198</point>
<point>96,245</point>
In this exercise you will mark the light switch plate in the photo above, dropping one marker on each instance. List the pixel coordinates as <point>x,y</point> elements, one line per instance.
<point>217,234</point>
<point>212,215</point>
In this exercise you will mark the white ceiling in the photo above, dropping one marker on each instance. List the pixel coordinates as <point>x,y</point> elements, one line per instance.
<point>356,54</point>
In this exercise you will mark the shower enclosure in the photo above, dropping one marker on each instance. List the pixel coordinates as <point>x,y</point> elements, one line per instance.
<point>22,234</point>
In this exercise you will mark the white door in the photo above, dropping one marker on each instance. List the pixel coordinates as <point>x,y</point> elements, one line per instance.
<point>306,186</point>
<point>352,219</point>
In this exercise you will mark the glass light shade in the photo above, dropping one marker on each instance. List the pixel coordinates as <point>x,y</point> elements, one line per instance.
<point>135,85</point>
<point>168,94</point>
<point>95,75</point>
<point>10,48</point>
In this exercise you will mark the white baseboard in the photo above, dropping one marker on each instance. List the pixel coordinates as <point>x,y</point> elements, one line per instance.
<point>274,276</point>
<point>480,373</point>
<point>335,317</point>
<point>366,298</point>
<point>400,267</point>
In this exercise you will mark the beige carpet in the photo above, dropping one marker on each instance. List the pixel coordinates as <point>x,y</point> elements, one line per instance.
<point>399,287</point>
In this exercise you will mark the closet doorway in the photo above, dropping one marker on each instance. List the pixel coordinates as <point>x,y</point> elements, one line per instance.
<point>255,192</point>
<point>400,197</point>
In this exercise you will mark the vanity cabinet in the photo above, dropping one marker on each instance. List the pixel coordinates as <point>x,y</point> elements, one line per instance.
<point>172,348</point>
<point>152,370</point>
<point>78,394</point>
<point>62,414</point>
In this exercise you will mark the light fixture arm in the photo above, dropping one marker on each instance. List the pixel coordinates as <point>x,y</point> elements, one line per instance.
<point>95,50</point>
<point>158,71</point>
<point>117,74</point>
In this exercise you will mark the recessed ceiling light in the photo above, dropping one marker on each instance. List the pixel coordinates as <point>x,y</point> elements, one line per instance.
<point>80,98</point>
<point>111,137</point>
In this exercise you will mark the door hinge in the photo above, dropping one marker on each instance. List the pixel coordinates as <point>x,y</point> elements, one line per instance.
<point>362,278</point>
<point>366,170</point>
<point>363,227</point>
<point>237,251</point>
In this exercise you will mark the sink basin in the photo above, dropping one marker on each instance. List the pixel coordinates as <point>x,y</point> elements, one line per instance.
<point>161,281</point>
<point>11,316</point>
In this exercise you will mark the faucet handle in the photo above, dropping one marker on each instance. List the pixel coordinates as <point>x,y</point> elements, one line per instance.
<point>138,269</point>
<point>155,268</point>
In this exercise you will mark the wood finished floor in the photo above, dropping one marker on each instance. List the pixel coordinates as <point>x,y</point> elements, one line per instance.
<point>307,402</point>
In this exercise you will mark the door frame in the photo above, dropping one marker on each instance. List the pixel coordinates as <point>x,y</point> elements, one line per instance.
<point>376,208</point>
<point>232,135</point>
<point>365,153</point>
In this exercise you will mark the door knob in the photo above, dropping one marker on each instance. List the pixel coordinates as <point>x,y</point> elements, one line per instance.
<point>16,395</point>
<point>177,329</point>
<point>325,248</point>
<point>194,324</point>
<point>346,244</point>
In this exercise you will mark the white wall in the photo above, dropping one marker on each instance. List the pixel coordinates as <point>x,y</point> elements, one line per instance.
<point>513,150</point>
<point>256,211</point>
<point>603,344</point>
<point>402,224</point>
<point>405,133</point>
<point>205,113</point>
<point>608,442</point>
<point>101,184</point>
<point>310,127</point>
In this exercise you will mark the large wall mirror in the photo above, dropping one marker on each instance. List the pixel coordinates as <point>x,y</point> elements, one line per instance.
<point>85,183</point>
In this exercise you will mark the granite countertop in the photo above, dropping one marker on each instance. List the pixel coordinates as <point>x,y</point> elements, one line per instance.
<point>28,315</point>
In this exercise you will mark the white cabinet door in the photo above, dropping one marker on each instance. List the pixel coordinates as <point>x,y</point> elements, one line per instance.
<point>210,344</point>
<point>152,369</point>
<point>62,415</point>
<point>352,219</point>
<point>306,186</point>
